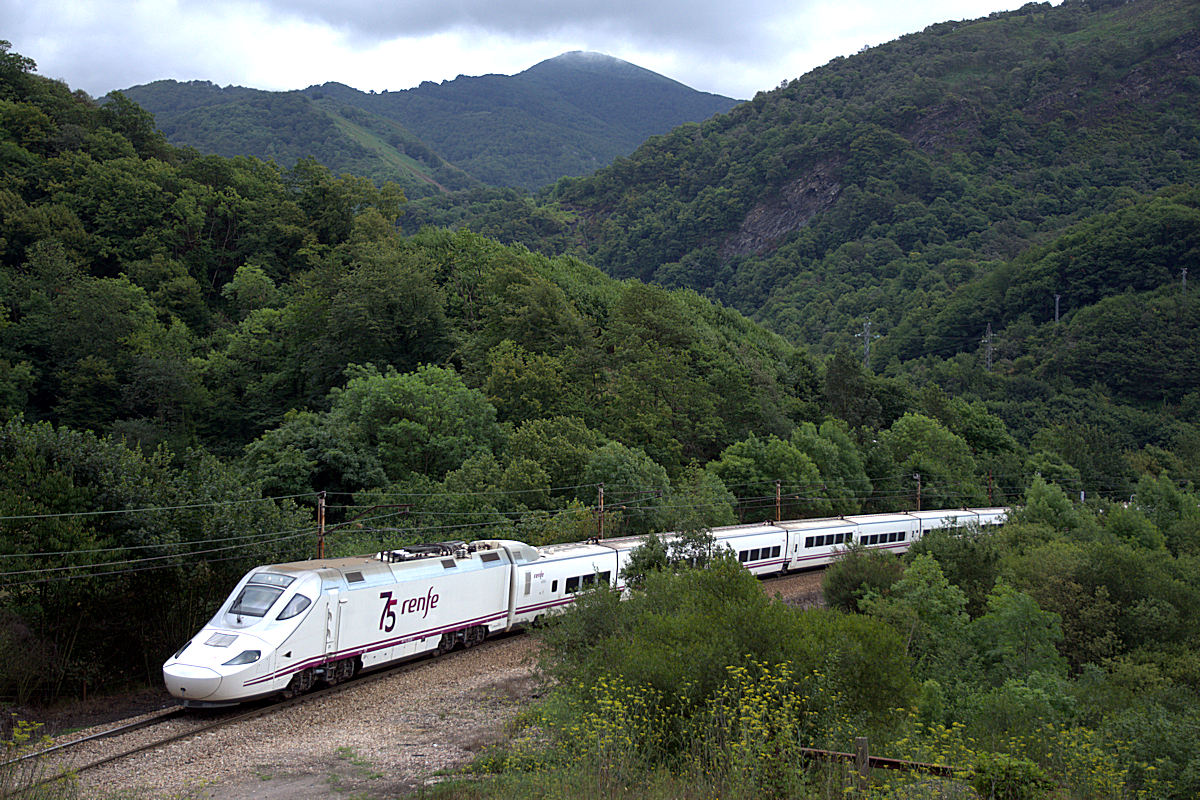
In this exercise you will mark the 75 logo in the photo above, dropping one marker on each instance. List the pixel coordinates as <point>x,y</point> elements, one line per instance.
<point>387,620</point>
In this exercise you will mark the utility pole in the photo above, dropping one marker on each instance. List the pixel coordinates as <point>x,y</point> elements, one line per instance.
<point>777,503</point>
<point>917,475</point>
<point>601,530</point>
<point>987,345</point>
<point>1056,298</point>
<point>321,524</point>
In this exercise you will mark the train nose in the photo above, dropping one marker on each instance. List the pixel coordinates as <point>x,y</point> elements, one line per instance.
<point>191,683</point>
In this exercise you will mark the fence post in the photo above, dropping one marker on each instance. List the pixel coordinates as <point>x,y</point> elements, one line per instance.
<point>862,766</point>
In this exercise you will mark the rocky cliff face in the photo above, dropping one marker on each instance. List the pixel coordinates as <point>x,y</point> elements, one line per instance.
<point>790,210</point>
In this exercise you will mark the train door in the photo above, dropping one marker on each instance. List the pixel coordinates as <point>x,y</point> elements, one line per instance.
<point>333,618</point>
<point>531,594</point>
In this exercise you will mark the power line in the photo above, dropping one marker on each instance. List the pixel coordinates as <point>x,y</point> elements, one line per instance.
<point>71,572</point>
<point>119,548</point>
<point>109,512</point>
<point>70,567</point>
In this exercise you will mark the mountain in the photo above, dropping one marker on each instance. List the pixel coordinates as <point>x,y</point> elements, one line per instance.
<point>565,116</point>
<point>1006,206</point>
<point>876,186</point>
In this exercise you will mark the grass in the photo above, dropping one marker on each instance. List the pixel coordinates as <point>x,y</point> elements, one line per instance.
<point>363,768</point>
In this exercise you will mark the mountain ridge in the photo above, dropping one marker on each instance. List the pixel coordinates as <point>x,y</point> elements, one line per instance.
<point>566,115</point>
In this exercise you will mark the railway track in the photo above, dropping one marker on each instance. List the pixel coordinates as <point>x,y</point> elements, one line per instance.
<point>56,762</point>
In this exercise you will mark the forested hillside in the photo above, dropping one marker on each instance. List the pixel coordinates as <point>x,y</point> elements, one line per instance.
<point>908,168</point>
<point>286,127</point>
<point>565,116</point>
<point>1005,206</point>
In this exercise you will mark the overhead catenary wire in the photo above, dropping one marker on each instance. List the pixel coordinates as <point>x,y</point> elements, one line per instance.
<point>71,567</point>
<point>153,509</point>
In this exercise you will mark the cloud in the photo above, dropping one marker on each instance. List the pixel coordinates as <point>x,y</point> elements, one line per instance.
<point>734,48</point>
<point>664,21</point>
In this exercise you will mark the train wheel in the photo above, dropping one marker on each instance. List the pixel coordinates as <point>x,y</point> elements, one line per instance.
<point>474,636</point>
<point>300,683</point>
<point>445,645</point>
<point>339,671</point>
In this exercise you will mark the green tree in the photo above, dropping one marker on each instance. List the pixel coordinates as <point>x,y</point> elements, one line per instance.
<point>857,572</point>
<point>1016,637</point>
<point>634,485</point>
<point>929,613</point>
<point>838,461</point>
<point>751,468</point>
<point>921,446</point>
<point>427,421</point>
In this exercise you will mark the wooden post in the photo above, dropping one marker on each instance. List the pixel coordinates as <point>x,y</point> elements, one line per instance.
<point>601,530</point>
<point>862,766</point>
<point>321,525</point>
<point>778,517</point>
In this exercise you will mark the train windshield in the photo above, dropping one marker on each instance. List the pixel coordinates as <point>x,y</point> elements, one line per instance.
<point>258,597</point>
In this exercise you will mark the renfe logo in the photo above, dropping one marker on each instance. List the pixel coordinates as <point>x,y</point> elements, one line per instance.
<point>387,620</point>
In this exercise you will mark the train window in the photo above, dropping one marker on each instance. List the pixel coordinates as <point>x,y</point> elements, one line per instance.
<point>554,586</point>
<point>744,556</point>
<point>255,600</point>
<point>900,536</point>
<point>449,563</point>
<point>528,581</point>
<point>605,578</point>
<point>572,585</point>
<point>354,577</point>
<point>809,541</point>
<point>589,580</point>
<point>294,607</point>
<point>487,558</point>
<point>775,551</point>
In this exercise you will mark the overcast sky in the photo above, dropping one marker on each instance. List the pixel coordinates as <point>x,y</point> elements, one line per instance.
<point>731,47</point>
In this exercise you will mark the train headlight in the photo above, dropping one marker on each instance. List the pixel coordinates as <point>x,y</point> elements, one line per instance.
<point>245,657</point>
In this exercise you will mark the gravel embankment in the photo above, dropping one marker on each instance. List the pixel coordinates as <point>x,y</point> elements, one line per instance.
<point>381,739</point>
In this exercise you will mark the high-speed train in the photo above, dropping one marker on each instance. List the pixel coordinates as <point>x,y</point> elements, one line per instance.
<point>286,627</point>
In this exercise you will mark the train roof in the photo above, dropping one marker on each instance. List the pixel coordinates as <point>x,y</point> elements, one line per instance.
<point>413,562</point>
<point>554,552</point>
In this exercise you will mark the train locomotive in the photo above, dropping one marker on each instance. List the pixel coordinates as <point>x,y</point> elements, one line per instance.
<point>287,627</point>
